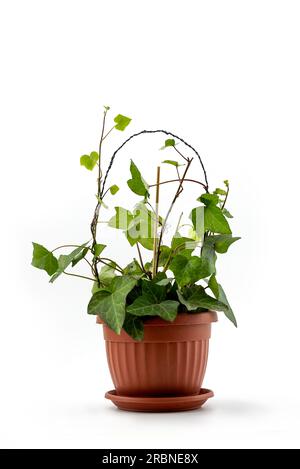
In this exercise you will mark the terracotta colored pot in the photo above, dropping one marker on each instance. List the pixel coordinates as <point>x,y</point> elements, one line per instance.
<point>170,361</point>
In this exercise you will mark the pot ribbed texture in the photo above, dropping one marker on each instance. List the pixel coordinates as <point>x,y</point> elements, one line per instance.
<point>172,368</point>
<point>170,361</point>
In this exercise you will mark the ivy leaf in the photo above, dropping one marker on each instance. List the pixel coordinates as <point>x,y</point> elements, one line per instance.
<point>170,142</point>
<point>107,273</point>
<point>208,199</point>
<point>134,326</point>
<point>222,242</point>
<point>172,162</point>
<point>153,302</point>
<point>89,161</point>
<point>114,189</point>
<point>227,213</point>
<point>110,304</point>
<point>96,287</point>
<point>143,306</point>
<point>80,256</point>
<point>141,228</point>
<point>137,184</point>
<point>219,293</point>
<point>122,219</point>
<point>228,313</point>
<point>154,291</point>
<point>133,269</point>
<point>189,269</point>
<point>98,248</point>
<point>197,218</point>
<point>208,253</point>
<point>65,260</point>
<point>195,297</point>
<point>215,221</point>
<point>183,245</point>
<point>121,122</point>
<point>164,255</point>
<point>44,259</point>
<point>220,191</point>
<point>164,281</point>
<point>213,285</point>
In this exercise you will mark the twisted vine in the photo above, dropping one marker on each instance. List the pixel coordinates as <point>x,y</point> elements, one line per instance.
<point>153,132</point>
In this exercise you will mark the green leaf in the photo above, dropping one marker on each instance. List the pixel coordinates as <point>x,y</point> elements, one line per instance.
<point>98,248</point>
<point>183,245</point>
<point>110,304</point>
<point>164,255</point>
<point>222,242</point>
<point>121,122</point>
<point>114,189</point>
<point>65,260</point>
<point>197,217</point>
<point>96,287</point>
<point>143,306</point>
<point>219,293</point>
<point>172,162</point>
<point>208,253</point>
<point>220,191</point>
<point>80,256</point>
<point>209,199</point>
<point>134,269</point>
<point>137,184</point>
<point>228,313</point>
<point>195,297</point>
<point>189,269</point>
<point>89,161</point>
<point>44,259</point>
<point>152,302</point>
<point>227,213</point>
<point>134,326</point>
<point>226,182</point>
<point>164,281</point>
<point>107,273</point>
<point>213,285</point>
<point>122,219</point>
<point>141,228</point>
<point>215,221</point>
<point>153,290</point>
<point>170,142</point>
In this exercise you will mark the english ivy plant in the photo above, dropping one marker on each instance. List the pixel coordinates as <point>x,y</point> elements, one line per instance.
<point>176,277</point>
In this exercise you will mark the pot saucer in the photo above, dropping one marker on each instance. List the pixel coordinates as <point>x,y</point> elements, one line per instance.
<point>159,404</point>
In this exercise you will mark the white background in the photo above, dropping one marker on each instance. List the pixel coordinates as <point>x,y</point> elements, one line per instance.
<point>224,75</point>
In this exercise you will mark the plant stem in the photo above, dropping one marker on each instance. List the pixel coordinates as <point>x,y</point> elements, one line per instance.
<point>67,246</point>
<point>106,135</point>
<point>155,243</point>
<point>117,266</point>
<point>140,258</point>
<point>178,180</point>
<point>80,276</point>
<point>226,197</point>
<point>179,153</point>
<point>172,250</point>
<point>94,223</point>
<point>178,192</point>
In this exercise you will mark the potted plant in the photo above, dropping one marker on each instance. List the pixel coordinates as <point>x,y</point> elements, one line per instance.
<point>157,310</point>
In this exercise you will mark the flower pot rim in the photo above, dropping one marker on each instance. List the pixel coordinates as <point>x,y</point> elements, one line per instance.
<point>182,319</point>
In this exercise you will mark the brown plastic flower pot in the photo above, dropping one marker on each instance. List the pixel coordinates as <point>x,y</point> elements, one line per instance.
<point>170,361</point>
